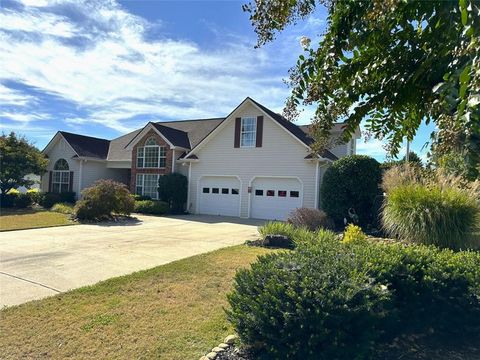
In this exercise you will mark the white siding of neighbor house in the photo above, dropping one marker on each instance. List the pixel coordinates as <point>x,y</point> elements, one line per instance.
<point>281,155</point>
<point>61,150</point>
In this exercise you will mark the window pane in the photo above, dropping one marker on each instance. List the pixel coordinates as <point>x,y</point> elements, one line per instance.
<point>56,176</point>
<point>65,177</point>
<point>162,162</point>
<point>224,191</point>
<point>61,164</point>
<point>64,187</point>
<point>140,157</point>
<point>151,157</point>
<point>215,191</point>
<point>294,194</point>
<point>150,185</point>
<point>151,141</point>
<point>282,193</point>
<point>234,191</point>
<point>258,192</point>
<point>206,190</point>
<point>138,190</point>
<point>270,192</point>
<point>248,132</point>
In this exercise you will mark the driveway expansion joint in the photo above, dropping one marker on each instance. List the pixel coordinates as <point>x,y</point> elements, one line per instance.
<point>30,281</point>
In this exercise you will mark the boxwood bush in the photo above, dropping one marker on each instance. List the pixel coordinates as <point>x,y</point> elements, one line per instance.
<point>351,183</point>
<point>445,217</point>
<point>151,207</point>
<point>329,300</point>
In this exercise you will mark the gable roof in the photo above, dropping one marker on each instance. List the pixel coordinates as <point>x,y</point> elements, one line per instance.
<point>87,146</point>
<point>301,132</point>
<point>175,136</point>
<point>117,151</point>
<point>196,130</point>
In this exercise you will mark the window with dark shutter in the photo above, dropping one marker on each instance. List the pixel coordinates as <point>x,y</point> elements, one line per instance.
<point>259,131</point>
<point>236,142</point>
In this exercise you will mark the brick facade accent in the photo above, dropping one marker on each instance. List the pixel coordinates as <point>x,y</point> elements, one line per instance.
<point>162,171</point>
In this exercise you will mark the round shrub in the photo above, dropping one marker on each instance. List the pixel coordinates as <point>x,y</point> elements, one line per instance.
<point>47,200</point>
<point>311,219</point>
<point>312,303</point>
<point>353,234</point>
<point>445,217</point>
<point>103,199</point>
<point>351,183</point>
<point>151,207</point>
<point>7,200</point>
<point>329,300</point>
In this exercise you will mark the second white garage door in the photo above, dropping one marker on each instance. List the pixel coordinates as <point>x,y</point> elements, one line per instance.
<point>275,198</point>
<point>219,195</point>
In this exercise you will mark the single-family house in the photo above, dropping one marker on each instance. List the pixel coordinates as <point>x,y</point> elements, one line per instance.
<point>252,164</point>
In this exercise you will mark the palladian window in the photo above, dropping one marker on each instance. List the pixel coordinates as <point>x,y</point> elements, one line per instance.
<point>151,155</point>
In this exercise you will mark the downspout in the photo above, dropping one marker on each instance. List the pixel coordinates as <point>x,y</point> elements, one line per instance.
<point>80,179</point>
<point>189,185</point>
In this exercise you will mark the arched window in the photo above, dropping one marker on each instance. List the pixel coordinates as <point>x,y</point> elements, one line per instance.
<point>61,164</point>
<point>61,176</point>
<point>151,142</point>
<point>151,155</point>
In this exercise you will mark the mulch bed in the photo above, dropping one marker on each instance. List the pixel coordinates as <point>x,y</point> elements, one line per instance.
<point>411,348</point>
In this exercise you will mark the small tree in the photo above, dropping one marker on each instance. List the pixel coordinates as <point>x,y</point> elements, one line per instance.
<point>18,158</point>
<point>173,189</point>
<point>104,198</point>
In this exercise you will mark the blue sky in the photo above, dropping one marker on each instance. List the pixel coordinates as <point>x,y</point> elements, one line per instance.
<point>103,68</point>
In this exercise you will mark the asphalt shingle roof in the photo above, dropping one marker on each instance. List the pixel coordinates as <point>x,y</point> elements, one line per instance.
<point>87,146</point>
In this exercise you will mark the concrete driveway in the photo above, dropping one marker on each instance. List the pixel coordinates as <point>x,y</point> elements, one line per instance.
<point>42,262</point>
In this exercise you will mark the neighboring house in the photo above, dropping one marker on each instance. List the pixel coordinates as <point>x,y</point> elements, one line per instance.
<point>34,186</point>
<point>252,163</point>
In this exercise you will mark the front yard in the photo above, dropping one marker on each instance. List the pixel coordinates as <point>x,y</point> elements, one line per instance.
<point>31,218</point>
<point>174,311</point>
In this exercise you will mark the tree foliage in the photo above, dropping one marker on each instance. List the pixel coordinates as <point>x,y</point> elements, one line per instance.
<point>173,188</point>
<point>393,63</point>
<point>18,158</point>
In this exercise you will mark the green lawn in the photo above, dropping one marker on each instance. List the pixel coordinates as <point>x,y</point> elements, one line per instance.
<point>174,311</point>
<point>30,218</point>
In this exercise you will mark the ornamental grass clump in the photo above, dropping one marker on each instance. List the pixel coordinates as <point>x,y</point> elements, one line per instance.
<point>447,217</point>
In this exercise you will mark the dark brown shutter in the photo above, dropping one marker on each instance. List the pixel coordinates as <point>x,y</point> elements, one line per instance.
<point>259,131</point>
<point>70,183</point>
<point>50,178</point>
<point>238,123</point>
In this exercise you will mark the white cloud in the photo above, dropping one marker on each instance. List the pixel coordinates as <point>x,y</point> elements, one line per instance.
<point>23,117</point>
<point>14,97</point>
<point>121,74</point>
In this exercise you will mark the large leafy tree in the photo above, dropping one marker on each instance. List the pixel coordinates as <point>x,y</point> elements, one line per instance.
<point>18,158</point>
<point>392,63</point>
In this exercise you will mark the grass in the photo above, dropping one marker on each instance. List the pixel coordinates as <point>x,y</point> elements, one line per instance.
<point>30,218</point>
<point>173,311</point>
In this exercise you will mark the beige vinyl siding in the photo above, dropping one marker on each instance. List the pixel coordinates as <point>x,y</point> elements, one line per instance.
<point>281,155</point>
<point>96,170</point>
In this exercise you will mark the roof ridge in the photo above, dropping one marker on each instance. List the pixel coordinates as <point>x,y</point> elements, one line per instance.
<point>87,136</point>
<point>184,120</point>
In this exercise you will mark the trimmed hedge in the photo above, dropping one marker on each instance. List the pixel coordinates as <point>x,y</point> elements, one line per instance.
<point>15,199</point>
<point>329,300</point>
<point>351,183</point>
<point>151,207</point>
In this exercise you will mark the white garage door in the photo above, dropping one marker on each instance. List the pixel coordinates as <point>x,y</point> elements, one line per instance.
<point>219,195</point>
<point>275,198</point>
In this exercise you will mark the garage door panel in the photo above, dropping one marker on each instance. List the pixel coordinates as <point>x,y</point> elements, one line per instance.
<point>219,196</point>
<point>275,198</point>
